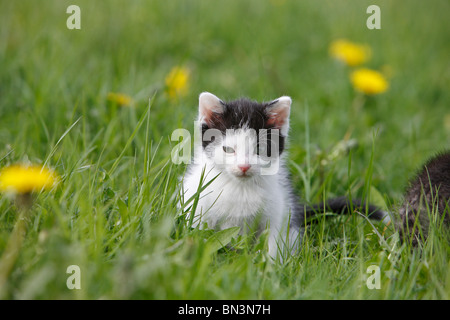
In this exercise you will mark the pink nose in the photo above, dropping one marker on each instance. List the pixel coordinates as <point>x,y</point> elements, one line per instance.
<point>244,167</point>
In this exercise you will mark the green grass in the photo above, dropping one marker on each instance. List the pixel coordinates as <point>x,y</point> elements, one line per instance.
<point>114,214</point>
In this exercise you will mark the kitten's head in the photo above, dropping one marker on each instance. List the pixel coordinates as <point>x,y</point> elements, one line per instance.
<point>244,138</point>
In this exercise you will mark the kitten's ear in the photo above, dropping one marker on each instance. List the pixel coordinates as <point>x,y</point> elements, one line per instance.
<point>278,112</point>
<point>208,106</point>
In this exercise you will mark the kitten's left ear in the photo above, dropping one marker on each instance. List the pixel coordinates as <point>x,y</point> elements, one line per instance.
<point>278,112</point>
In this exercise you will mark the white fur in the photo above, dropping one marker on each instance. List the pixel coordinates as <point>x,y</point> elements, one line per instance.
<point>232,201</point>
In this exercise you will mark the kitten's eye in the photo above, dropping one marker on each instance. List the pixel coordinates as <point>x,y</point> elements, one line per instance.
<point>228,149</point>
<point>261,149</point>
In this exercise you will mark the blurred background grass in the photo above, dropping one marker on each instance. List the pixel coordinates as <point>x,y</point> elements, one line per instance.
<point>51,76</point>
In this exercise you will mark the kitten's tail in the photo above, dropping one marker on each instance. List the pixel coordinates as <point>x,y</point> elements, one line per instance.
<point>343,205</point>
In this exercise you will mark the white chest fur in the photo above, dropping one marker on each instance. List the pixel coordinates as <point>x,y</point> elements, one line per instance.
<point>229,201</point>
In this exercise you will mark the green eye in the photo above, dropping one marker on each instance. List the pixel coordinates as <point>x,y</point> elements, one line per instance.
<point>228,149</point>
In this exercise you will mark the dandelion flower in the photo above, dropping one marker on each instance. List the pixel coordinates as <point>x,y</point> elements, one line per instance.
<point>177,82</point>
<point>369,81</point>
<point>348,52</point>
<point>120,99</point>
<point>21,181</point>
<point>24,179</point>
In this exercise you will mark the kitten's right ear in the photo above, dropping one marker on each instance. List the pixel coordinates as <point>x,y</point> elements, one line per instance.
<point>278,112</point>
<point>208,106</point>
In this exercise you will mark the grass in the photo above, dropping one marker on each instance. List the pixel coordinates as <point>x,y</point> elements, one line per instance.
<point>114,213</point>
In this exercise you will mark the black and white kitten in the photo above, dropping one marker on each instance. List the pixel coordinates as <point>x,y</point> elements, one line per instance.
<point>428,195</point>
<point>243,150</point>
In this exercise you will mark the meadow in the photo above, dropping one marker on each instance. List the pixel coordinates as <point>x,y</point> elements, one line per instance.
<point>98,105</point>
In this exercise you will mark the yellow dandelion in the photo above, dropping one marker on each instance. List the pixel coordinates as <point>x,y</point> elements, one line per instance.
<point>350,53</point>
<point>24,179</point>
<point>177,82</point>
<point>369,81</point>
<point>120,99</point>
<point>21,181</point>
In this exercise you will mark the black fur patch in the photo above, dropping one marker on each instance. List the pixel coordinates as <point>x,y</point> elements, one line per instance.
<point>244,113</point>
<point>429,189</point>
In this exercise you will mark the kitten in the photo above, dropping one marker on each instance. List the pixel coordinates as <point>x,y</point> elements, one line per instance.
<point>243,150</point>
<point>428,192</point>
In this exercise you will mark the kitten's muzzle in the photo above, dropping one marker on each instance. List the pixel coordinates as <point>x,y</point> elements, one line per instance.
<point>244,167</point>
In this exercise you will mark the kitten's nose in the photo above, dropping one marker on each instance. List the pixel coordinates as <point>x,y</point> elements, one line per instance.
<point>244,167</point>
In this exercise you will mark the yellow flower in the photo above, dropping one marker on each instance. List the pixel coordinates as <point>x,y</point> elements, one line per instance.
<point>120,99</point>
<point>369,81</point>
<point>350,53</point>
<point>177,82</point>
<point>25,179</point>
